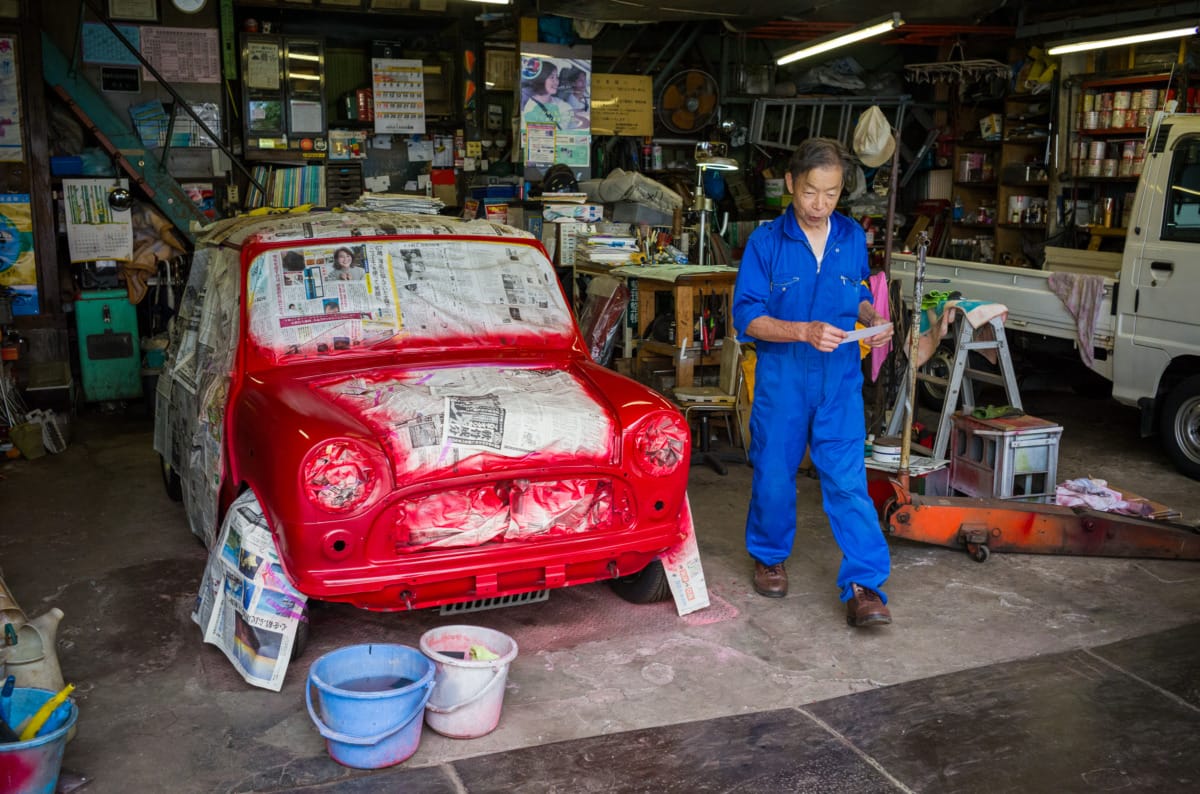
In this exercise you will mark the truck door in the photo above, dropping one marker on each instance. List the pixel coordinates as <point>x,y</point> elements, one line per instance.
<point>1166,272</point>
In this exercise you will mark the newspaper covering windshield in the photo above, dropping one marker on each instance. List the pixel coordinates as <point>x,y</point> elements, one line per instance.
<point>322,299</point>
<point>246,606</point>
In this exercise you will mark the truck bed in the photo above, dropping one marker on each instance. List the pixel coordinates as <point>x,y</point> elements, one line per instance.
<point>1032,306</point>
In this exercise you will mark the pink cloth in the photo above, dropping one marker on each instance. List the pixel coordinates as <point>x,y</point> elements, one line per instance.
<point>1082,294</point>
<point>879,294</point>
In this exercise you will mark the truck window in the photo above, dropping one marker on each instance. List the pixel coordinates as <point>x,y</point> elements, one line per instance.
<point>1181,217</point>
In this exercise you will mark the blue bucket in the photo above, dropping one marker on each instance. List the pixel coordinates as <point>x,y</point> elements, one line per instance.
<point>370,700</point>
<point>32,767</point>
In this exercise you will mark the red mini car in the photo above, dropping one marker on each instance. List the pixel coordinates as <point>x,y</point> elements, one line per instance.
<point>413,406</point>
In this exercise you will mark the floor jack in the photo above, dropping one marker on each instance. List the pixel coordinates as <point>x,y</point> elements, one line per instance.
<point>981,525</point>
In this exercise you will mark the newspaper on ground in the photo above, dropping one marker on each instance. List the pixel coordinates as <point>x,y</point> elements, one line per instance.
<point>246,606</point>
<point>685,575</point>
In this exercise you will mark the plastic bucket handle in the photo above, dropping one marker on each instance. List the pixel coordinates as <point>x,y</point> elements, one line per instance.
<point>330,733</point>
<point>451,709</point>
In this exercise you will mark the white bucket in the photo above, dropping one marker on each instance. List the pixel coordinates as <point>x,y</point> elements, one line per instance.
<point>468,694</point>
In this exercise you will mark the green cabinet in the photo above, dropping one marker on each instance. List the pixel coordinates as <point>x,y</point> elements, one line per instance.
<point>110,358</point>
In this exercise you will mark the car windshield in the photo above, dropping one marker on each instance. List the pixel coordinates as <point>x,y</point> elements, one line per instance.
<point>338,299</point>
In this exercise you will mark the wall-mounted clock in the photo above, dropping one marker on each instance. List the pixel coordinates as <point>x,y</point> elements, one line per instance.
<point>189,6</point>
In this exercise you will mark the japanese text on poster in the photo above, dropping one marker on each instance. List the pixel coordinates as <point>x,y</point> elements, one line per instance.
<point>182,55</point>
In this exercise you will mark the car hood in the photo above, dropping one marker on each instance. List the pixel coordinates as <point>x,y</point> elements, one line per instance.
<point>473,419</point>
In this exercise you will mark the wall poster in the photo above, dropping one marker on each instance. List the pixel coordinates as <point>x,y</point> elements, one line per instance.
<point>18,270</point>
<point>556,104</point>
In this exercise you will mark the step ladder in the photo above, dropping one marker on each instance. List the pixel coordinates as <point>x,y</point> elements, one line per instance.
<point>961,382</point>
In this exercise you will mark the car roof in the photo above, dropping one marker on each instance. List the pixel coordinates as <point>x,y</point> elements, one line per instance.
<point>306,227</point>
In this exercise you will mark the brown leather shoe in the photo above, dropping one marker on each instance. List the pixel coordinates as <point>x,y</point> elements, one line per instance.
<point>770,580</point>
<point>866,608</point>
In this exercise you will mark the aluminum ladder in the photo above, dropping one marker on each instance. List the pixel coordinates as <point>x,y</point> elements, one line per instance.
<point>784,123</point>
<point>961,381</point>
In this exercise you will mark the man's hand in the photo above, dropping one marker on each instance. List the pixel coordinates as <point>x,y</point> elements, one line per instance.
<point>871,318</point>
<point>823,336</point>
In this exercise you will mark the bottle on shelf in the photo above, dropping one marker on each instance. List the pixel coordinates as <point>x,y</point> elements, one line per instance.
<point>957,210</point>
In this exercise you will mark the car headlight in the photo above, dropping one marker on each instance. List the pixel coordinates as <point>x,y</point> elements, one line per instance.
<point>338,476</point>
<point>661,444</point>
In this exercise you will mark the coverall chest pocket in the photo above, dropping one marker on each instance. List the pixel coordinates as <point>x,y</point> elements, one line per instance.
<point>848,295</point>
<point>785,291</point>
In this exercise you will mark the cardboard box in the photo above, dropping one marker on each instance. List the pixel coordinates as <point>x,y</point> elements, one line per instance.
<point>563,213</point>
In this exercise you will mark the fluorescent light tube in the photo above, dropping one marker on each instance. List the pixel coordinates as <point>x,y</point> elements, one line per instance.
<point>1133,38</point>
<point>873,28</point>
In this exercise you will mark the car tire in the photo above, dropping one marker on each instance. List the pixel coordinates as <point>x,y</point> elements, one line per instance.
<point>647,586</point>
<point>303,632</point>
<point>1179,425</point>
<point>171,481</point>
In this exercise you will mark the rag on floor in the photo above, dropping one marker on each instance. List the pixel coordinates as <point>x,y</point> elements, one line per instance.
<point>1095,493</point>
<point>1082,294</point>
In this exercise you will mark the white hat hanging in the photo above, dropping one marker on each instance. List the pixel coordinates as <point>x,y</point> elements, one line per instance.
<point>873,139</point>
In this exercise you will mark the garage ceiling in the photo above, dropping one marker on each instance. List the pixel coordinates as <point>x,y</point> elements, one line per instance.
<point>752,12</point>
<point>1033,19</point>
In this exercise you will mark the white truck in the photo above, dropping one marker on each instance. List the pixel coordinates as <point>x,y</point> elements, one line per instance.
<point>1147,338</point>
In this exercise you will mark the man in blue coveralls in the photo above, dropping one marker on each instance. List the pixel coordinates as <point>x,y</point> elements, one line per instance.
<point>801,285</point>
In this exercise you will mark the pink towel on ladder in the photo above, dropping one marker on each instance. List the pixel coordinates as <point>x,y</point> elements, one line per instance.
<point>879,295</point>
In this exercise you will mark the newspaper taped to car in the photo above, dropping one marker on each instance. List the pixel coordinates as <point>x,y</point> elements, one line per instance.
<point>246,606</point>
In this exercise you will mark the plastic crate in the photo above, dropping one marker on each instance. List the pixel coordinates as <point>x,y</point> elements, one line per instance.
<point>1010,458</point>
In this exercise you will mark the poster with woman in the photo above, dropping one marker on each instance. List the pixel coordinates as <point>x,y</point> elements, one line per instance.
<point>555,105</point>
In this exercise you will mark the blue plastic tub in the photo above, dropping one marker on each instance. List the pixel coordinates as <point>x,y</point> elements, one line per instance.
<point>32,767</point>
<point>370,701</point>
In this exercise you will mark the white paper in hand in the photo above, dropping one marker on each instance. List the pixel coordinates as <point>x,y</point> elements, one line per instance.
<point>865,333</point>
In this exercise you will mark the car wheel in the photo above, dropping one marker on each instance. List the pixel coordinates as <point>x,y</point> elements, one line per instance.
<point>644,587</point>
<point>303,632</point>
<point>171,481</point>
<point>1180,426</point>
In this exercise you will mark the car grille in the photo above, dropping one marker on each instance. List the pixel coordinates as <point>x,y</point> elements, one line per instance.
<point>513,510</point>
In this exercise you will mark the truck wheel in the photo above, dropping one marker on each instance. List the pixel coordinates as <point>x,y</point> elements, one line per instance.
<point>171,481</point>
<point>644,587</point>
<point>1180,426</point>
<point>932,395</point>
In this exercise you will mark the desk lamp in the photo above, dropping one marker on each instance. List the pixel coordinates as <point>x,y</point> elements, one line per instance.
<point>710,156</point>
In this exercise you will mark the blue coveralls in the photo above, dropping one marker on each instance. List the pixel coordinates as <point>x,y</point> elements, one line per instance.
<point>803,397</point>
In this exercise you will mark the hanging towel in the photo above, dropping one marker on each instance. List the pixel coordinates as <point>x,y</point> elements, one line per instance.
<point>1082,294</point>
<point>879,297</point>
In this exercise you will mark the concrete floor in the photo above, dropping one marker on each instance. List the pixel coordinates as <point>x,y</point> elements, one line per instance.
<point>92,532</point>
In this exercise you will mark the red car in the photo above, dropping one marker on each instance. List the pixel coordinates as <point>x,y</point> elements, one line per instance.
<point>413,406</point>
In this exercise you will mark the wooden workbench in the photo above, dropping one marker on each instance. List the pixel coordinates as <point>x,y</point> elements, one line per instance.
<point>686,283</point>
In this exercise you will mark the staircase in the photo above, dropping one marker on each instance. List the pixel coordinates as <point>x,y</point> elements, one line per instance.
<point>117,137</point>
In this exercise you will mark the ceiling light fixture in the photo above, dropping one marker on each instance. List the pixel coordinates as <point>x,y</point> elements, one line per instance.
<point>493,2</point>
<point>1117,41</point>
<point>875,27</point>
